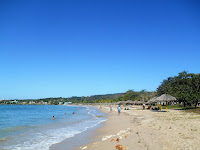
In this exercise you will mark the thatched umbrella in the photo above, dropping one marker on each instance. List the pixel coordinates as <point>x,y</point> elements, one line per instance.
<point>128,102</point>
<point>146,103</point>
<point>135,102</point>
<point>138,102</point>
<point>166,98</point>
<point>152,100</point>
<point>121,102</point>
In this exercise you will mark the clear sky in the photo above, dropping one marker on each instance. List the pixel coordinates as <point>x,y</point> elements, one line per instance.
<point>87,47</point>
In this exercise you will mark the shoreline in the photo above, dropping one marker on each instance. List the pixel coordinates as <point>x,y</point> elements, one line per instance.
<point>75,142</point>
<point>109,128</point>
<point>139,129</point>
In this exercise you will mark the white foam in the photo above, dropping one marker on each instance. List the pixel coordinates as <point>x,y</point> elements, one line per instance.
<point>107,137</point>
<point>85,147</point>
<point>44,139</point>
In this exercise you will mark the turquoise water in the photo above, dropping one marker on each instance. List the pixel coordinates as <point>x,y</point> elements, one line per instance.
<point>30,127</point>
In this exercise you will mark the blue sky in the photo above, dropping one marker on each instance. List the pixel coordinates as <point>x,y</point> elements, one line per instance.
<point>82,48</point>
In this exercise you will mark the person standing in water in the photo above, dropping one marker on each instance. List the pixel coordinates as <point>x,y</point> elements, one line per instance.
<point>53,117</point>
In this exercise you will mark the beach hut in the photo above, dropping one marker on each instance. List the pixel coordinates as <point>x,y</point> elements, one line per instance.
<point>165,98</point>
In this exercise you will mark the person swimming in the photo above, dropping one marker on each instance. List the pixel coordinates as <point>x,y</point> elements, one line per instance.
<point>53,117</point>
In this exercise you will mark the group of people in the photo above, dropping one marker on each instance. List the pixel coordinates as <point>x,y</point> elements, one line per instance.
<point>65,114</point>
<point>118,108</point>
<point>110,108</point>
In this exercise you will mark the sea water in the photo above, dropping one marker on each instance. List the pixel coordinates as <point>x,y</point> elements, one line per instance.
<point>31,127</point>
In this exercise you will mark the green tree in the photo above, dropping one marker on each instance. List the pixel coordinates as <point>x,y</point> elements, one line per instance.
<point>196,88</point>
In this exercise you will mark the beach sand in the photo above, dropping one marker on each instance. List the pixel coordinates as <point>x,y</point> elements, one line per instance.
<point>139,129</point>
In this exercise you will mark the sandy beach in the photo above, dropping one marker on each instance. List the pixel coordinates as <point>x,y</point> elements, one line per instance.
<point>138,129</point>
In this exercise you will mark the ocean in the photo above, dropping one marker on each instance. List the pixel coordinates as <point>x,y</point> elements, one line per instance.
<point>31,127</point>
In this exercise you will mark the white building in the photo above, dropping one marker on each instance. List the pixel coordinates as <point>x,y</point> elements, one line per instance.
<point>15,101</point>
<point>67,103</point>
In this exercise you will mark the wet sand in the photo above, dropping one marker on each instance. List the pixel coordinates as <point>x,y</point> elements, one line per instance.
<point>78,140</point>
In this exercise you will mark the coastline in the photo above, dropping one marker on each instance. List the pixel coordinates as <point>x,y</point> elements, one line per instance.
<point>139,129</point>
<point>109,130</point>
<point>74,143</point>
<point>39,131</point>
<point>133,129</point>
<point>85,137</point>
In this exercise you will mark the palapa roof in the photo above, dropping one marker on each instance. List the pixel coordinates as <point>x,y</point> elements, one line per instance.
<point>121,102</point>
<point>135,102</point>
<point>138,102</point>
<point>129,102</point>
<point>165,98</point>
<point>152,100</point>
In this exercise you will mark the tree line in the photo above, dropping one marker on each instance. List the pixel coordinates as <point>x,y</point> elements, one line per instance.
<point>185,87</point>
<point>110,98</point>
<point>105,98</point>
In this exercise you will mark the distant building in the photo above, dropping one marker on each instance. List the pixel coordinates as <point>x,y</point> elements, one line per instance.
<point>15,101</point>
<point>60,103</point>
<point>31,102</point>
<point>67,103</point>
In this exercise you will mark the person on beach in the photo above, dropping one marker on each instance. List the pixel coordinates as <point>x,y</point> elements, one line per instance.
<point>110,107</point>
<point>143,106</point>
<point>119,110</point>
<point>53,117</point>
